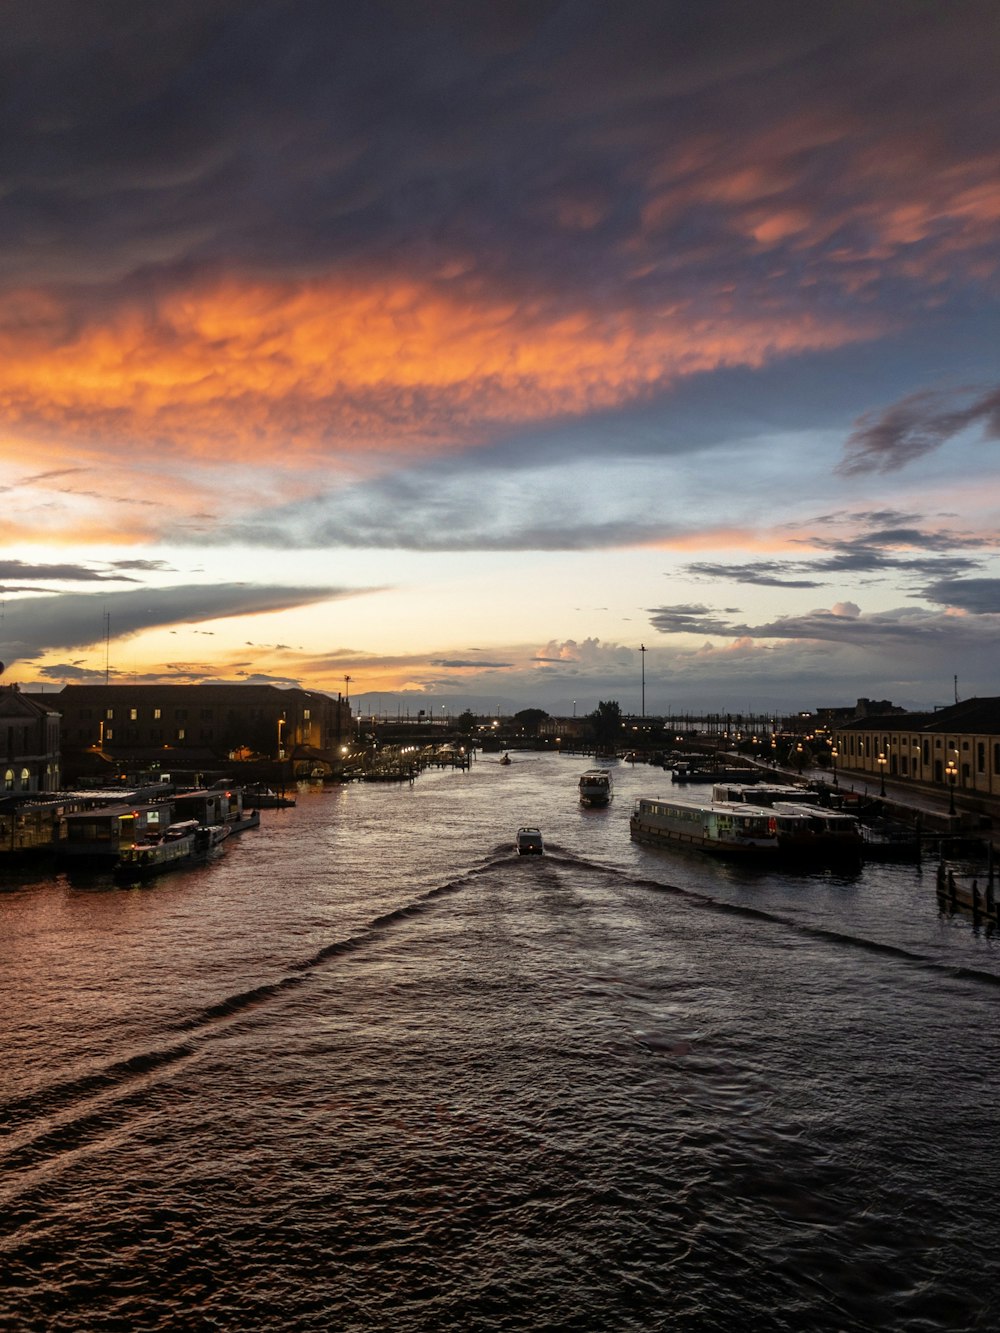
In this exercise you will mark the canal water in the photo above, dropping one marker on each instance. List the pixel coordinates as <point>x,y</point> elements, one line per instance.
<point>371,1070</point>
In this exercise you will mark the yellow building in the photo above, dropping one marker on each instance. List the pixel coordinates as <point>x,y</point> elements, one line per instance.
<point>955,749</point>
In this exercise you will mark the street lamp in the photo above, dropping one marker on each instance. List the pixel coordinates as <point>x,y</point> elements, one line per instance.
<point>800,756</point>
<point>834,753</point>
<point>882,761</point>
<point>951,770</point>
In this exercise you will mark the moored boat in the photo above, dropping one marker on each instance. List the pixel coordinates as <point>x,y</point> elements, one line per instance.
<point>596,787</point>
<point>825,837</point>
<point>184,843</point>
<point>730,828</point>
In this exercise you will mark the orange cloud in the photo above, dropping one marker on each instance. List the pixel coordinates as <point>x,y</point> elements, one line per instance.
<point>318,367</point>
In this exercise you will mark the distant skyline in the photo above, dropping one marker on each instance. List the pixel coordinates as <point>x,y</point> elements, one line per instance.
<point>464,349</point>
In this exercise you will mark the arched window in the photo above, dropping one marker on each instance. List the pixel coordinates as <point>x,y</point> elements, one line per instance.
<point>25,779</point>
<point>8,780</point>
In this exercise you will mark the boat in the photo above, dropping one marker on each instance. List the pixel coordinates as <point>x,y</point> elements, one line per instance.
<point>596,787</point>
<point>710,773</point>
<point>724,828</point>
<point>809,833</point>
<point>184,843</point>
<point>264,798</point>
<point>529,842</point>
<point>506,759</point>
<point>763,793</point>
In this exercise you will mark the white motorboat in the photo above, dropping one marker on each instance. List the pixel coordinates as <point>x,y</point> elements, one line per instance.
<point>596,787</point>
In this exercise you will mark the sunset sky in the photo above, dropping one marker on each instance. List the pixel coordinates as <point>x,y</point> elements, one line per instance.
<point>461,349</point>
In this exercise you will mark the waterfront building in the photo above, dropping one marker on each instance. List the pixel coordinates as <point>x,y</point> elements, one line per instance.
<point>153,728</point>
<point>956,748</point>
<point>31,739</point>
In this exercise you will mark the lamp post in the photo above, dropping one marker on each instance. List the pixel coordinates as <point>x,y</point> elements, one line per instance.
<point>951,769</point>
<point>642,658</point>
<point>882,761</point>
<point>800,756</point>
<point>834,753</point>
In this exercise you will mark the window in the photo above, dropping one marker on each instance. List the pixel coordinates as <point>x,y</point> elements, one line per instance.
<point>181,714</point>
<point>133,715</point>
<point>157,714</point>
<point>109,714</point>
<point>180,733</point>
<point>306,715</point>
<point>8,780</point>
<point>980,756</point>
<point>109,733</point>
<point>206,715</point>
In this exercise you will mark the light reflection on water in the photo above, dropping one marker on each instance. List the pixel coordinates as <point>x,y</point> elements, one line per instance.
<point>372,1070</point>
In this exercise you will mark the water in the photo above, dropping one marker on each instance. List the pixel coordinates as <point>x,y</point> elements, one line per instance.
<point>370,1070</point>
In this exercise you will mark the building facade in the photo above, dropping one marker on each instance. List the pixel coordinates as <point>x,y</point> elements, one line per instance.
<point>165,726</point>
<point>30,732</point>
<point>955,748</point>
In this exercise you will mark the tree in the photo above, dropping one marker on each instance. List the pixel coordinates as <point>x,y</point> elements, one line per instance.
<point>606,721</point>
<point>467,722</point>
<point>530,719</point>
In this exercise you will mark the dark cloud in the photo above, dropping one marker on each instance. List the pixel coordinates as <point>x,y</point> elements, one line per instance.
<point>688,619</point>
<point>874,552</point>
<point>888,440</point>
<point>765,573</point>
<point>450,505</point>
<point>884,633</point>
<point>77,620</point>
<point>67,673</point>
<point>977,596</point>
<point>536,143</point>
<point>20,569</point>
<point>144,566</point>
<point>456,662</point>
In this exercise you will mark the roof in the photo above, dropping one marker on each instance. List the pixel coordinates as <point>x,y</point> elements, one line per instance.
<point>15,704</point>
<point>969,717</point>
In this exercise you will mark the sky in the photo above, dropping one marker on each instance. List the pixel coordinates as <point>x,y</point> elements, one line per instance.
<point>497,356</point>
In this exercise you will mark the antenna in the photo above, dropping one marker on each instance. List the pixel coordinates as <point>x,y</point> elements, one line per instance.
<point>347,688</point>
<point>956,689</point>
